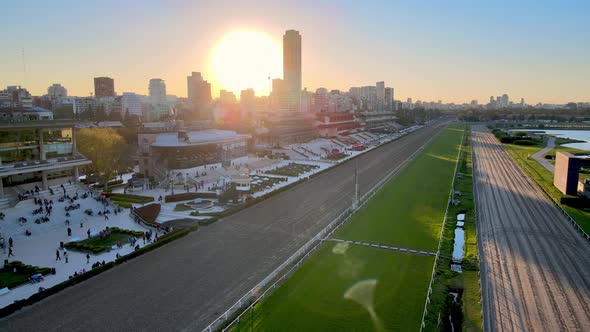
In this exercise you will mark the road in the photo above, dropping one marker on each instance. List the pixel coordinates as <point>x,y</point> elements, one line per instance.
<point>539,155</point>
<point>535,274</point>
<point>188,283</point>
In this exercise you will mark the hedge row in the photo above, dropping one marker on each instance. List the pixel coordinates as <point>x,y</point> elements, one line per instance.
<point>79,246</point>
<point>206,222</point>
<point>131,198</point>
<point>70,282</point>
<point>122,204</point>
<point>188,196</point>
<point>126,231</point>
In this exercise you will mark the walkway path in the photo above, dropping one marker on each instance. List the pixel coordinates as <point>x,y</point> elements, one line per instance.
<point>539,155</point>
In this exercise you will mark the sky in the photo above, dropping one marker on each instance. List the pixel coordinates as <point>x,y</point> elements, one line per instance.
<point>453,51</point>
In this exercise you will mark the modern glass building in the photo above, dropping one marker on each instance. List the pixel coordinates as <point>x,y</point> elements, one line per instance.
<point>38,151</point>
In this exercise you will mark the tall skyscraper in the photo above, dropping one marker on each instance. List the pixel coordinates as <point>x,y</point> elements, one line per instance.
<point>380,91</point>
<point>389,99</point>
<point>199,96</point>
<point>104,87</point>
<point>292,67</point>
<point>157,91</point>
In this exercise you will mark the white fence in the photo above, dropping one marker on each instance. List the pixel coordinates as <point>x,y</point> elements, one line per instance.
<point>253,296</point>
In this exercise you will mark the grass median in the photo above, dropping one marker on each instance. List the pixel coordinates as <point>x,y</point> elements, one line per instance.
<point>351,287</point>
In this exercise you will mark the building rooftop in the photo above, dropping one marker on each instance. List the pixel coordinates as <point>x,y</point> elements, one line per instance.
<point>210,136</point>
<point>48,124</point>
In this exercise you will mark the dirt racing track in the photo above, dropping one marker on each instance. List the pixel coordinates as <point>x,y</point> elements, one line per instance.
<point>535,267</point>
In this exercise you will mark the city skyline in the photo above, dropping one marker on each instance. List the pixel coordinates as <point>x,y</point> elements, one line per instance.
<point>449,52</point>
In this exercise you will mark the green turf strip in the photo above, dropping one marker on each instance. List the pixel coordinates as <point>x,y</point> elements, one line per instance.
<point>313,299</point>
<point>408,212</point>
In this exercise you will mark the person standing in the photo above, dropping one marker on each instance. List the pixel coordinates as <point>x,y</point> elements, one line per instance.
<point>10,242</point>
<point>57,257</point>
<point>66,256</point>
<point>88,232</point>
<point>87,258</point>
<point>69,231</point>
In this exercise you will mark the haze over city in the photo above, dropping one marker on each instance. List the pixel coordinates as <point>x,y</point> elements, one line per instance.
<point>453,51</point>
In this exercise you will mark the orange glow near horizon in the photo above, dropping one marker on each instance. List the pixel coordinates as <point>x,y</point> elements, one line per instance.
<point>245,59</point>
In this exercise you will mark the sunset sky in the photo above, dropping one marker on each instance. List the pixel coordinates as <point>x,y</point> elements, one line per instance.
<point>430,50</point>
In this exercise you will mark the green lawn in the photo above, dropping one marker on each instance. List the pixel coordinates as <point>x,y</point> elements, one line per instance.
<point>11,279</point>
<point>338,285</point>
<point>408,212</point>
<point>472,320</point>
<point>97,244</point>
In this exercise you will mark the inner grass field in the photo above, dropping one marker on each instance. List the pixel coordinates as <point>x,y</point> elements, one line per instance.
<point>346,287</point>
<point>409,210</point>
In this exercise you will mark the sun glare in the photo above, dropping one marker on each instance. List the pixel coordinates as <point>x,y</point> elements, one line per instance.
<point>245,59</point>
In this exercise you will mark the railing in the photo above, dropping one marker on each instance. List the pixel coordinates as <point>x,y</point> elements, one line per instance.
<point>306,250</point>
<point>442,230</point>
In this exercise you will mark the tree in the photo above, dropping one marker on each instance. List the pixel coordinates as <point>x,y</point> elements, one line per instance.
<point>107,150</point>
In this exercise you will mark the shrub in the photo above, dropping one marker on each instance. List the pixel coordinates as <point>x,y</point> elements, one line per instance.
<point>131,198</point>
<point>206,222</point>
<point>187,197</point>
<point>182,207</point>
<point>122,204</point>
<point>523,142</point>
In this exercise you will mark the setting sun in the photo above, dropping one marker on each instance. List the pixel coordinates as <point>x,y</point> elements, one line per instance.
<point>245,59</point>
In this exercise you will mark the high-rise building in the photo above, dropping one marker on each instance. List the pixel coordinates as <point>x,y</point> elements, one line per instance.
<point>130,104</point>
<point>227,97</point>
<point>15,96</point>
<point>104,87</point>
<point>247,105</point>
<point>380,94</point>
<point>199,96</point>
<point>279,97</point>
<point>292,68</point>
<point>504,100</point>
<point>389,99</point>
<point>157,91</point>
<point>57,92</point>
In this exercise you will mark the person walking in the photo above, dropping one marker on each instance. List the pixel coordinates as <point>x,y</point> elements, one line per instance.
<point>10,253</point>
<point>57,257</point>
<point>87,258</point>
<point>88,232</point>
<point>66,256</point>
<point>69,231</point>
